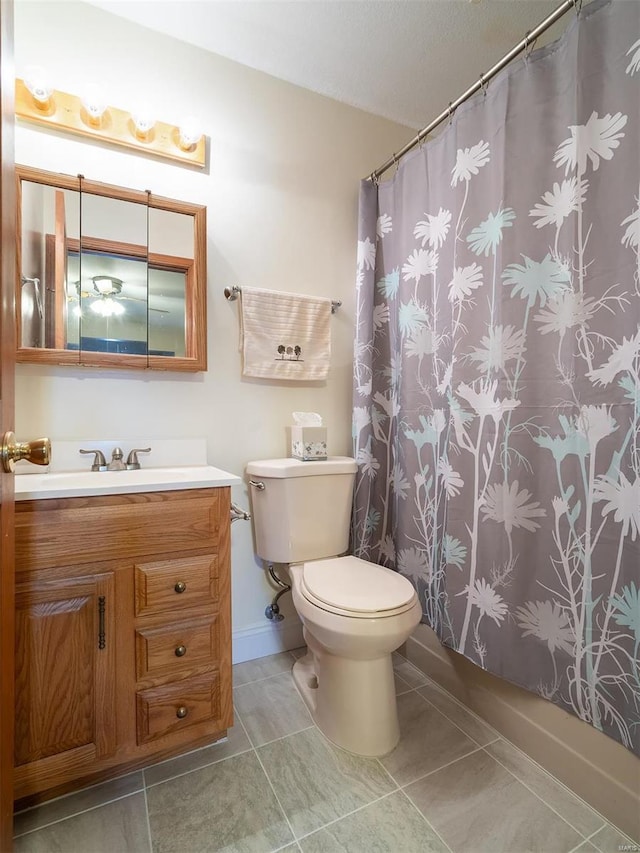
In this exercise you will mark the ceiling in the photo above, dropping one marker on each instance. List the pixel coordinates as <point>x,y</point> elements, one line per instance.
<point>401,59</point>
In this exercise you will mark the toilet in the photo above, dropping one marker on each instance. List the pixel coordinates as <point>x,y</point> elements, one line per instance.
<point>355,613</point>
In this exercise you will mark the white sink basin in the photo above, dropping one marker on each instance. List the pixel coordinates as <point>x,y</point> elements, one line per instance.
<point>73,484</point>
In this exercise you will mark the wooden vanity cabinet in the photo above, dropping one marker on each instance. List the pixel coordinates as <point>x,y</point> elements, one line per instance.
<point>123,633</point>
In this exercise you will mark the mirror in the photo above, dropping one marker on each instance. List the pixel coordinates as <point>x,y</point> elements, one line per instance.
<point>108,276</point>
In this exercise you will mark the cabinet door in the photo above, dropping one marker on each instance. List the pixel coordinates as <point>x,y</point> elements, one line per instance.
<point>65,672</point>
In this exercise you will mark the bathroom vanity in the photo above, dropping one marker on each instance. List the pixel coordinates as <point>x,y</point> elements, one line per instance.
<point>123,641</point>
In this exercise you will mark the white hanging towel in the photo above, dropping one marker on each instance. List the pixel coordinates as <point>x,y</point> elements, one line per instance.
<point>285,335</point>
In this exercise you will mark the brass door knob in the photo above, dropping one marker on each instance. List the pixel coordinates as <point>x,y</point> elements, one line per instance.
<point>181,651</point>
<point>180,586</point>
<point>12,451</point>
<point>182,712</point>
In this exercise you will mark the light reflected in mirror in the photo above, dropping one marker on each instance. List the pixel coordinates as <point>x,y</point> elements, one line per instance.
<point>49,216</point>
<point>108,280</point>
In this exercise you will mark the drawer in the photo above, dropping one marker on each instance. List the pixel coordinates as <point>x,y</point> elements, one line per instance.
<point>185,582</point>
<point>163,710</point>
<point>173,648</point>
<point>126,526</point>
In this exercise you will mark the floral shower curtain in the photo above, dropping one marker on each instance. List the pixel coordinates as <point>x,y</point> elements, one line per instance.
<point>497,373</point>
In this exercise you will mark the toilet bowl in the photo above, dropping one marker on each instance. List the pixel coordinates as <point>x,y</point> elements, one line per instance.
<point>355,615</point>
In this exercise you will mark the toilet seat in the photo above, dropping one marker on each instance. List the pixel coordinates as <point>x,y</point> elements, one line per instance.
<point>349,586</point>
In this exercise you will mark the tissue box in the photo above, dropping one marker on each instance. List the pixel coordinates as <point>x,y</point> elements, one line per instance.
<point>309,443</point>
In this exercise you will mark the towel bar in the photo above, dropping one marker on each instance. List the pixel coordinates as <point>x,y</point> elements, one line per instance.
<point>234,291</point>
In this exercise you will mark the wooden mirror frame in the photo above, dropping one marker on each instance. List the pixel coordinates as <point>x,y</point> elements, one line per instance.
<point>195,358</point>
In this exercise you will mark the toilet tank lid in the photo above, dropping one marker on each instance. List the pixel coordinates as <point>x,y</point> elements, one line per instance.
<point>281,468</point>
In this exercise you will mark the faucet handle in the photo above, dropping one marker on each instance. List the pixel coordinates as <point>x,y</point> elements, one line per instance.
<point>99,462</point>
<point>133,463</point>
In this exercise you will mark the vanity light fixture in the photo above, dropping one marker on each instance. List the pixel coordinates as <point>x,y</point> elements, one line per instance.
<point>92,116</point>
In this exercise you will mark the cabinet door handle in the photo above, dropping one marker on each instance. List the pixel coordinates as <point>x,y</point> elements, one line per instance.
<point>180,586</point>
<point>181,651</point>
<point>181,712</point>
<point>102,637</point>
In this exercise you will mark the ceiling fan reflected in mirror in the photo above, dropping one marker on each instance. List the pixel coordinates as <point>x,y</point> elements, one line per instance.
<point>107,295</point>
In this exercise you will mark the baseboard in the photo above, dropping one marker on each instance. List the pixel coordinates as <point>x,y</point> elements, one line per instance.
<point>266,638</point>
<point>598,769</point>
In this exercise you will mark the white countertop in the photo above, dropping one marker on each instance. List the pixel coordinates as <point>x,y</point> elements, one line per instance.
<point>80,484</point>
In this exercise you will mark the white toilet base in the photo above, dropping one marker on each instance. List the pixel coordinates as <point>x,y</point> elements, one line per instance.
<point>353,702</point>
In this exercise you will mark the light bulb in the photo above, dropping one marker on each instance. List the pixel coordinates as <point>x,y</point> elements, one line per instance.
<point>37,81</point>
<point>190,132</point>
<point>77,311</point>
<point>95,103</point>
<point>143,122</point>
<point>107,307</point>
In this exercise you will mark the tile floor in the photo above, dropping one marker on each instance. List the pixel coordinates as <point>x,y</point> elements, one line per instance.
<point>452,784</point>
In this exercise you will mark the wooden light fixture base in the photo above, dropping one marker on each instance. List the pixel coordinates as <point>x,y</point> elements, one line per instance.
<point>65,112</point>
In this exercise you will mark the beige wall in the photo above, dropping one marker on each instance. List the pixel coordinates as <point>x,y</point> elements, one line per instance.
<point>597,768</point>
<point>281,194</point>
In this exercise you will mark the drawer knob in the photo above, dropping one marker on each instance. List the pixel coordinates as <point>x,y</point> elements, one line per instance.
<point>182,712</point>
<point>181,651</point>
<point>180,586</point>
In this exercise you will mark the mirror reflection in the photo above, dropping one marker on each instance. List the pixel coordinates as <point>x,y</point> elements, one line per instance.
<point>104,277</point>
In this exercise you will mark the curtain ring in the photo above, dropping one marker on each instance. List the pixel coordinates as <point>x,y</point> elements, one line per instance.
<point>451,111</point>
<point>395,160</point>
<point>419,140</point>
<point>529,45</point>
<point>483,85</point>
<point>577,4</point>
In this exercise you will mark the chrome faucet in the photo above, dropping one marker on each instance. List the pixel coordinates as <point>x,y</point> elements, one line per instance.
<point>116,463</point>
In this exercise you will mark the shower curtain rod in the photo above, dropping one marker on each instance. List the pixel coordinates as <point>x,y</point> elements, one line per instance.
<point>526,42</point>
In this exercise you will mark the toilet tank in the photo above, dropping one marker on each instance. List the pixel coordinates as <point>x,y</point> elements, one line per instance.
<point>304,510</point>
